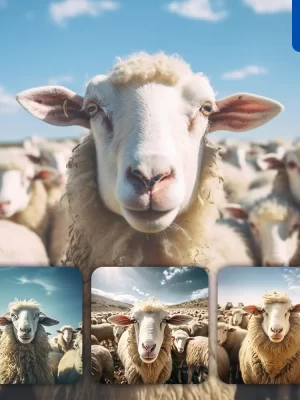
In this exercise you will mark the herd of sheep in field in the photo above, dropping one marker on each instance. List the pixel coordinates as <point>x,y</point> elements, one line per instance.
<point>149,184</point>
<point>262,341</point>
<point>151,343</point>
<point>28,356</point>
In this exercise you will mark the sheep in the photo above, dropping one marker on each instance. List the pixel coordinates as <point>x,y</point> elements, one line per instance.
<point>113,195</point>
<point>70,367</point>
<point>65,338</point>
<point>274,223</point>
<point>55,358</point>
<point>231,339</point>
<point>104,332</point>
<point>94,340</point>
<point>23,198</point>
<point>270,352</point>
<point>94,321</point>
<point>19,245</point>
<point>239,318</point>
<point>180,338</point>
<point>118,332</point>
<point>145,347</point>
<point>194,328</point>
<point>102,364</point>
<point>228,306</point>
<point>24,345</point>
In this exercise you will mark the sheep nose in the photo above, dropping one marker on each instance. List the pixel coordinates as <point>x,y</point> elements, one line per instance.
<point>150,348</point>
<point>25,330</point>
<point>150,182</point>
<point>278,330</point>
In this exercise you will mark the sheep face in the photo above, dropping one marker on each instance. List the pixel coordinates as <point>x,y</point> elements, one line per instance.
<point>149,132</point>
<point>180,339</point>
<point>118,331</point>
<point>67,334</point>
<point>223,330</point>
<point>25,320</point>
<point>14,191</point>
<point>276,318</point>
<point>149,330</point>
<point>237,317</point>
<point>292,165</point>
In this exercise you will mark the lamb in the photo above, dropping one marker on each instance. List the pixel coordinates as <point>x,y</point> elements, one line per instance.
<point>70,367</point>
<point>19,245</point>
<point>231,339</point>
<point>145,347</point>
<point>65,339</point>
<point>115,195</point>
<point>274,223</point>
<point>270,352</point>
<point>239,318</point>
<point>24,345</point>
<point>104,332</point>
<point>102,364</point>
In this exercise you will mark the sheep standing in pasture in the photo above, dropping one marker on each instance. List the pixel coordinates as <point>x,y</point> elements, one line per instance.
<point>275,224</point>
<point>70,367</point>
<point>102,364</point>
<point>24,345</point>
<point>65,338</point>
<point>270,353</point>
<point>104,332</point>
<point>145,347</point>
<point>231,339</point>
<point>194,328</point>
<point>19,245</point>
<point>142,198</point>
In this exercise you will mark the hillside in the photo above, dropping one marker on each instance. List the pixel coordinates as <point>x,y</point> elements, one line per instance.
<point>101,303</point>
<point>199,303</point>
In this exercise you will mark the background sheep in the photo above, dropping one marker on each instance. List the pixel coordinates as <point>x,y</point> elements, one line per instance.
<point>65,338</point>
<point>102,364</point>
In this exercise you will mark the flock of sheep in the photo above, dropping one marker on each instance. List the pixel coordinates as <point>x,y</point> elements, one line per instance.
<point>150,343</point>
<point>148,185</point>
<point>26,353</point>
<point>262,341</point>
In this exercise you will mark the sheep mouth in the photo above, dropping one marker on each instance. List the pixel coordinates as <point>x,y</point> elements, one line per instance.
<point>148,359</point>
<point>25,339</point>
<point>276,338</point>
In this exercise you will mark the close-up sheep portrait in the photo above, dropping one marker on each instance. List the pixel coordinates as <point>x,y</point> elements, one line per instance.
<point>150,326</point>
<point>261,333</point>
<point>36,349</point>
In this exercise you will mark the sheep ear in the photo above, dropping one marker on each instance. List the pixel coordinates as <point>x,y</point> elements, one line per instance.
<point>55,105</point>
<point>235,211</point>
<point>46,321</point>
<point>296,308</point>
<point>120,320</point>
<point>229,314</point>
<point>231,329</point>
<point>5,321</point>
<point>270,161</point>
<point>252,309</point>
<point>243,112</point>
<point>47,174</point>
<point>179,319</point>
<point>58,331</point>
<point>33,158</point>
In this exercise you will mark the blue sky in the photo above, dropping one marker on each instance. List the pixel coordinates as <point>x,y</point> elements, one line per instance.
<point>241,45</point>
<point>171,285</point>
<point>58,290</point>
<point>248,285</point>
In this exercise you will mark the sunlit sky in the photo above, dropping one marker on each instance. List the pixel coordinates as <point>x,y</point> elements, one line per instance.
<point>57,290</point>
<point>241,45</point>
<point>248,285</point>
<point>170,285</point>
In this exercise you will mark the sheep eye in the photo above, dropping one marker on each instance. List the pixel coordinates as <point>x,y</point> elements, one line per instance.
<point>291,165</point>
<point>206,108</point>
<point>92,109</point>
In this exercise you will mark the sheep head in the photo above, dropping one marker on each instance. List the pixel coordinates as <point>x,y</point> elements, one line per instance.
<point>223,330</point>
<point>25,317</point>
<point>149,117</point>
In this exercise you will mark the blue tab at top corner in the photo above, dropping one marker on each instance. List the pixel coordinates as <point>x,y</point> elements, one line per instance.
<point>296,25</point>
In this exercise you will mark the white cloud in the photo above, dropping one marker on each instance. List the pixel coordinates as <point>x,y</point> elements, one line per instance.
<point>292,278</point>
<point>60,80</point>
<point>163,282</point>
<point>188,281</point>
<point>198,294</point>
<point>138,290</point>
<point>46,286</point>
<point>172,271</point>
<point>66,9</point>
<point>196,9</point>
<point>244,72</point>
<point>126,298</point>
<point>8,103</point>
<point>269,6</point>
